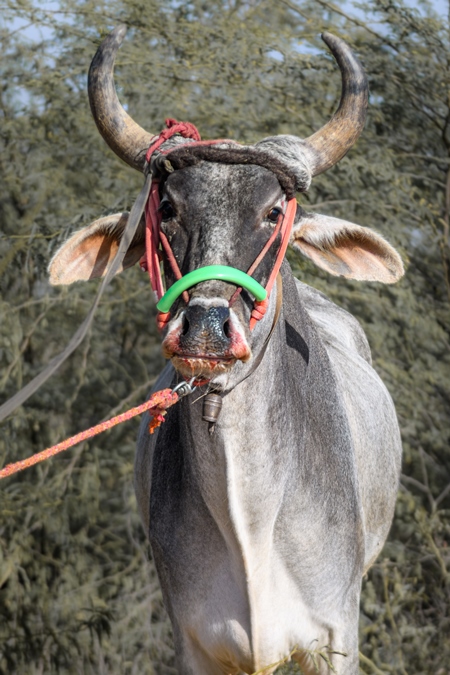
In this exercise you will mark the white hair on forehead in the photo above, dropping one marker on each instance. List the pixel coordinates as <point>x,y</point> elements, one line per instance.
<point>287,149</point>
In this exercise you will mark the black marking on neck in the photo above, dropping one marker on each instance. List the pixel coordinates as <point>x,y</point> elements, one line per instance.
<point>295,341</point>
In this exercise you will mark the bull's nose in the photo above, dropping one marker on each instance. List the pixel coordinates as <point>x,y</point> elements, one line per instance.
<point>205,328</point>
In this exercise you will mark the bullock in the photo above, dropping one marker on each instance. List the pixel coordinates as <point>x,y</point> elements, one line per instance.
<point>264,517</point>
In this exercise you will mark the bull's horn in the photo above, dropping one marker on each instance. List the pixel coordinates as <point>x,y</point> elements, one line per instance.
<point>124,136</point>
<point>330,143</point>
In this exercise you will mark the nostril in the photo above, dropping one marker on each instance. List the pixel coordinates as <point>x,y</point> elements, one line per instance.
<point>226,328</point>
<point>185,326</point>
<point>211,325</point>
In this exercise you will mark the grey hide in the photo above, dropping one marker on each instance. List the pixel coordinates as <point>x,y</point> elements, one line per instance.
<point>261,531</point>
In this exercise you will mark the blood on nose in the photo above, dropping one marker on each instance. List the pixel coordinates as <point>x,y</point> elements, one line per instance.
<point>207,328</point>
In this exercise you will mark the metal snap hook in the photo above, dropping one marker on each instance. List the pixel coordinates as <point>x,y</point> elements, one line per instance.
<point>184,388</point>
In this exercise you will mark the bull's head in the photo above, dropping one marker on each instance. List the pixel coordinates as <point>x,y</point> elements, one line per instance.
<point>221,210</point>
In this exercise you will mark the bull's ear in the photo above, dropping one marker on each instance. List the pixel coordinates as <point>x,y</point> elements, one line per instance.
<point>344,249</point>
<point>89,252</point>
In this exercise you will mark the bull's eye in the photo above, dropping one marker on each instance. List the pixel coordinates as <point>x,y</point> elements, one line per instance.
<point>274,214</point>
<point>167,211</point>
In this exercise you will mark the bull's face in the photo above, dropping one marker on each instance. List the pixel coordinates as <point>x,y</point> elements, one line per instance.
<point>212,214</point>
<point>216,215</point>
<point>223,214</point>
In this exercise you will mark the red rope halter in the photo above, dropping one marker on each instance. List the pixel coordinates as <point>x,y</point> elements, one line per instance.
<point>155,236</point>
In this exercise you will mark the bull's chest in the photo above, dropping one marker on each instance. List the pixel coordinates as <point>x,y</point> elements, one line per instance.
<point>237,537</point>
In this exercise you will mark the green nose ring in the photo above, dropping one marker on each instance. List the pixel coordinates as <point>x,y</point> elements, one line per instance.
<point>220,272</point>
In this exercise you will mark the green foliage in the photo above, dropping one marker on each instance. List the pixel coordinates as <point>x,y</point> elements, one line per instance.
<point>77,594</point>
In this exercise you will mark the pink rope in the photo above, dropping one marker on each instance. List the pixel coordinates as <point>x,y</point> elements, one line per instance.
<point>260,308</point>
<point>157,405</point>
<point>153,218</point>
<point>185,129</point>
<point>152,215</point>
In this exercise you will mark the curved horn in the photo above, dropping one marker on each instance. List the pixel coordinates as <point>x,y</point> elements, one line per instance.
<point>330,143</point>
<point>124,136</point>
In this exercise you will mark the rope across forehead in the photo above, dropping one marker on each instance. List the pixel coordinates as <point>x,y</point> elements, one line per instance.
<point>184,153</point>
<point>194,153</point>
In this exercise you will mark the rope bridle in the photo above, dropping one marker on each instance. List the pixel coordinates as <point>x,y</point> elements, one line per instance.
<point>157,244</point>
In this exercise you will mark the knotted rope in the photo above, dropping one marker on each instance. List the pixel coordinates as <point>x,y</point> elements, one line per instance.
<point>156,405</point>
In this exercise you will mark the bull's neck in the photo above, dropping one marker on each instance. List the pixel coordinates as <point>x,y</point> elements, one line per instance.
<point>243,464</point>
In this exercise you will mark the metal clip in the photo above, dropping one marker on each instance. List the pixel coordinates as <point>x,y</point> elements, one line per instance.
<point>184,388</point>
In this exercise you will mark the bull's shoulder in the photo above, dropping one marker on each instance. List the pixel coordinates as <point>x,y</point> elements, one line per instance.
<point>336,326</point>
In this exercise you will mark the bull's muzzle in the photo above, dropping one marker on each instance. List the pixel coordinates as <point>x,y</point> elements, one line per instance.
<point>205,340</point>
<point>206,329</point>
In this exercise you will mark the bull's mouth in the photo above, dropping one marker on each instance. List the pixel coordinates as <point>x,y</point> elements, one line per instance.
<point>202,366</point>
<point>205,354</point>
